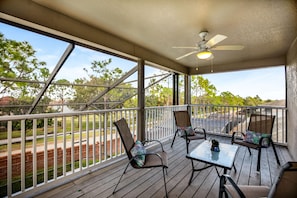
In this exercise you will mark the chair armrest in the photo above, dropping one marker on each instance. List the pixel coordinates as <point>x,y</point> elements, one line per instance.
<point>200,130</point>
<point>146,141</point>
<point>223,180</point>
<point>260,141</point>
<point>234,133</point>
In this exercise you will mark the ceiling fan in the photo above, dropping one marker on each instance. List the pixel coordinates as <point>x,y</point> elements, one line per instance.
<point>204,47</point>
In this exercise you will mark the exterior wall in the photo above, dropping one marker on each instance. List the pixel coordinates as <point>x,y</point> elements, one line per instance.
<point>291,74</point>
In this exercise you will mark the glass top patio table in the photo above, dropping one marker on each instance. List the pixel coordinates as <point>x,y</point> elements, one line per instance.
<point>224,158</point>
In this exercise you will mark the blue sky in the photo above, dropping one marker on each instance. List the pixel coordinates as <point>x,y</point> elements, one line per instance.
<point>50,50</point>
<point>268,83</point>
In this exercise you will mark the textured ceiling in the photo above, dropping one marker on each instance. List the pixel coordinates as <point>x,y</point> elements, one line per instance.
<point>266,28</point>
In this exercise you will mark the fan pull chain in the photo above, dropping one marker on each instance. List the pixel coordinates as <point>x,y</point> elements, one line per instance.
<point>211,65</point>
<point>197,67</point>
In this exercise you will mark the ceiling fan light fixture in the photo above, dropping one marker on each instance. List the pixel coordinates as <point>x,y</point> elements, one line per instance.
<point>205,54</point>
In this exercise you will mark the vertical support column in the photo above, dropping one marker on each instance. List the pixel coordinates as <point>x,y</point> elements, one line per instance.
<point>141,101</point>
<point>286,102</point>
<point>187,88</point>
<point>175,89</point>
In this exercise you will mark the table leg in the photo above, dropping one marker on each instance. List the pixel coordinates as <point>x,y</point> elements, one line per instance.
<point>190,181</point>
<point>193,170</point>
<point>225,171</point>
<point>234,168</point>
<point>217,171</point>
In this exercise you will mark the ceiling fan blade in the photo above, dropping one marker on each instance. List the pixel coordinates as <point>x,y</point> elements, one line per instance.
<point>228,47</point>
<point>188,54</point>
<point>215,40</point>
<point>184,47</point>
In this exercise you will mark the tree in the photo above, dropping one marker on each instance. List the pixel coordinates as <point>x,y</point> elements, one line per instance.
<point>202,89</point>
<point>62,91</point>
<point>227,98</point>
<point>99,74</point>
<point>253,101</point>
<point>158,94</point>
<point>18,61</point>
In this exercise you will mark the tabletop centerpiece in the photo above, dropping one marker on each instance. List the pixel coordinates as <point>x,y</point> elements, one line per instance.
<point>215,146</point>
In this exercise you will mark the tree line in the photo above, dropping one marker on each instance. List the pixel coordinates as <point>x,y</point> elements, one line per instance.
<point>23,76</point>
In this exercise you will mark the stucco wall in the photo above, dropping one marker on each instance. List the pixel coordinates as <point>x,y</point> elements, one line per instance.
<point>291,73</point>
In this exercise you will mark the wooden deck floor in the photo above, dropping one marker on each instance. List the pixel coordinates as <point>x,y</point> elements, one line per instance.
<point>149,183</point>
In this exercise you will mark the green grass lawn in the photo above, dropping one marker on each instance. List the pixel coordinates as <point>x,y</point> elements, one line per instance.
<point>50,130</point>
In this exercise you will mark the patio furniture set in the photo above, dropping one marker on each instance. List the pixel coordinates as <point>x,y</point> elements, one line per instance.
<point>214,154</point>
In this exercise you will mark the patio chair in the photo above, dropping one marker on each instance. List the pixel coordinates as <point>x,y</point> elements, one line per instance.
<point>152,160</point>
<point>183,125</point>
<point>284,185</point>
<point>258,135</point>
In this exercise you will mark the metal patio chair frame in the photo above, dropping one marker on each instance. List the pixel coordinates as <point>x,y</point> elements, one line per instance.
<point>182,119</point>
<point>152,159</point>
<point>262,124</point>
<point>283,186</point>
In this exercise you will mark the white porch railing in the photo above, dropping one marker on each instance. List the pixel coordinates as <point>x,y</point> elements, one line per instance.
<point>226,119</point>
<point>48,148</point>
